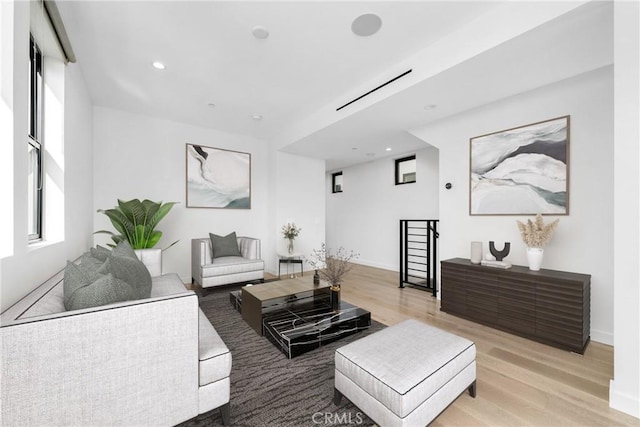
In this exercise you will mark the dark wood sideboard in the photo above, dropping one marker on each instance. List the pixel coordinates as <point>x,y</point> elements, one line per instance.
<point>548,306</point>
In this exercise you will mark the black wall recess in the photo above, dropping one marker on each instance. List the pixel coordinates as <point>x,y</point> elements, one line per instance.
<point>500,255</point>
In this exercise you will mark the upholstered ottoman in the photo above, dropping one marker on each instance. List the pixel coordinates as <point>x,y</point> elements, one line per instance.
<point>406,374</point>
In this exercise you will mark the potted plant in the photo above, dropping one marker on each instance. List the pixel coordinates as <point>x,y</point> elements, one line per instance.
<point>536,234</point>
<point>332,267</point>
<point>136,222</point>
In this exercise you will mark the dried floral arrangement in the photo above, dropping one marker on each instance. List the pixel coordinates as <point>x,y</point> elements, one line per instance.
<point>290,231</point>
<point>536,234</point>
<point>332,266</point>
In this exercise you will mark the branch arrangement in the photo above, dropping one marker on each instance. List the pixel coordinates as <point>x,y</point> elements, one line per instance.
<point>290,231</point>
<point>332,266</point>
<point>537,234</point>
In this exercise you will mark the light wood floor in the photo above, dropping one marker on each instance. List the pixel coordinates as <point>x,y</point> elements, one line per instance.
<point>520,382</point>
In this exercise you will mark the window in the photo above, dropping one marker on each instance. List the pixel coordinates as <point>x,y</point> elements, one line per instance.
<point>406,170</point>
<point>34,143</point>
<point>336,182</point>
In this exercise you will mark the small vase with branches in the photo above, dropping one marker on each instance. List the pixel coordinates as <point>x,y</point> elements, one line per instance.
<point>332,267</point>
<point>290,231</point>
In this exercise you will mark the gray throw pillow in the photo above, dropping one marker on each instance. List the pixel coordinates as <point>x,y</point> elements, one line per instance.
<point>100,252</point>
<point>84,290</point>
<point>88,263</point>
<point>224,246</point>
<point>131,271</point>
<point>124,249</point>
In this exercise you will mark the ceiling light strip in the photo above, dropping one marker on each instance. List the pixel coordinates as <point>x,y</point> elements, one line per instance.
<point>373,90</point>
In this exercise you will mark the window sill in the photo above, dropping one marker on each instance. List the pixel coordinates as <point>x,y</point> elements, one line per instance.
<point>35,245</point>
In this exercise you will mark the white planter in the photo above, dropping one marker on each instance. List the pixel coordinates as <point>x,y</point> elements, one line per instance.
<point>535,255</point>
<point>152,259</point>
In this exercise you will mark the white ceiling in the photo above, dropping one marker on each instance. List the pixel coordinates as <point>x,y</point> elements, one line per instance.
<point>310,59</point>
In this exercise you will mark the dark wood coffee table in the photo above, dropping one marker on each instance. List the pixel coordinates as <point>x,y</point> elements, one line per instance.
<point>259,300</point>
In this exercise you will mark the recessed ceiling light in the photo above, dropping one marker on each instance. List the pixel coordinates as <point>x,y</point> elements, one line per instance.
<point>256,117</point>
<point>388,149</point>
<point>159,65</point>
<point>260,32</point>
<point>354,148</point>
<point>211,105</point>
<point>430,106</point>
<point>366,25</point>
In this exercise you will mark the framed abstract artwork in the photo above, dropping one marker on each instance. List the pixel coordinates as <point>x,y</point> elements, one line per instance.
<point>521,171</point>
<point>218,178</point>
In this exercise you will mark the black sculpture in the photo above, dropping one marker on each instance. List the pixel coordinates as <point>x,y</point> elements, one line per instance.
<point>500,255</point>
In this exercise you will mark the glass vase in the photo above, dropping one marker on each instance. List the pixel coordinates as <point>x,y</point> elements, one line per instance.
<point>316,278</point>
<point>290,247</point>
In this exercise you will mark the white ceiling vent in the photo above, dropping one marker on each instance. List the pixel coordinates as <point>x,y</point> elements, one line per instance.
<point>373,90</point>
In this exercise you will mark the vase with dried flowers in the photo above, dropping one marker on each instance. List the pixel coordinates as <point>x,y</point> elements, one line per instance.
<point>332,267</point>
<point>536,234</point>
<point>290,231</point>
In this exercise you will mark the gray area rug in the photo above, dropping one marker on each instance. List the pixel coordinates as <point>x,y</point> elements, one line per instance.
<point>267,389</point>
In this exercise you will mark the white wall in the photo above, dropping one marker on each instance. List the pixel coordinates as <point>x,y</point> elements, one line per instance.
<point>30,265</point>
<point>142,157</point>
<point>6,127</point>
<point>365,216</point>
<point>299,197</point>
<point>624,392</point>
<point>583,242</point>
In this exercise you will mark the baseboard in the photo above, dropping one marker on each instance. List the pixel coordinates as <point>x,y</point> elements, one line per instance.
<point>376,265</point>
<point>623,402</point>
<point>602,337</point>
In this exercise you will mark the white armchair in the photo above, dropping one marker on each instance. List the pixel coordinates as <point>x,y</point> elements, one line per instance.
<point>207,271</point>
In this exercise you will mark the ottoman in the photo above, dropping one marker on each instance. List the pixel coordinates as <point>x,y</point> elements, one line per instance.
<point>406,374</point>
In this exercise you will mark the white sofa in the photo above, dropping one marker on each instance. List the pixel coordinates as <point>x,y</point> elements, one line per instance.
<point>155,361</point>
<point>207,271</point>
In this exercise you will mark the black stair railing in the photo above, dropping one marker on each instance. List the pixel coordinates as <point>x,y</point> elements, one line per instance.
<point>418,253</point>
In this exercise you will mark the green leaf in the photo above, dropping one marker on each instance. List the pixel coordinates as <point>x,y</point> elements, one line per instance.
<point>170,245</point>
<point>140,240</point>
<point>120,222</point>
<point>117,238</point>
<point>104,232</point>
<point>154,238</point>
<point>161,213</point>
<point>150,208</point>
<point>133,210</point>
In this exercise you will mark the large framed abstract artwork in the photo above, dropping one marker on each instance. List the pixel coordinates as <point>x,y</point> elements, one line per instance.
<point>521,171</point>
<point>218,178</point>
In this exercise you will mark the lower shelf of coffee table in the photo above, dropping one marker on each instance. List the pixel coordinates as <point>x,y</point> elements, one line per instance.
<point>307,327</point>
